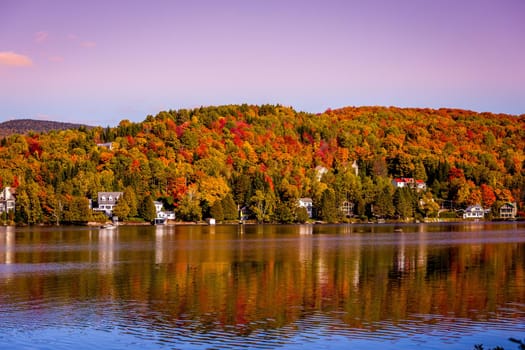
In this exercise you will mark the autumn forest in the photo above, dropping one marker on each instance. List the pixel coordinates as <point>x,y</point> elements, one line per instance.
<point>212,161</point>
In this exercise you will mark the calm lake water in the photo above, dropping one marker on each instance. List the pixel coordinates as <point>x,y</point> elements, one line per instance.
<point>263,287</point>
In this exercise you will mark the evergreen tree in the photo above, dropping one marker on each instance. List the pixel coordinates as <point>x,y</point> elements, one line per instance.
<point>189,209</point>
<point>301,215</point>
<point>328,207</point>
<point>147,209</point>
<point>383,206</point>
<point>403,203</point>
<point>22,207</point>
<point>122,209</point>
<point>216,211</point>
<point>36,213</point>
<point>131,201</point>
<point>284,212</point>
<point>81,210</point>
<point>229,208</point>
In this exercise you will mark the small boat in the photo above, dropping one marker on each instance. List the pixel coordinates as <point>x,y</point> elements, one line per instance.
<point>108,227</point>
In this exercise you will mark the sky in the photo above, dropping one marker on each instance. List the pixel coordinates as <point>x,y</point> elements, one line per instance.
<point>98,62</point>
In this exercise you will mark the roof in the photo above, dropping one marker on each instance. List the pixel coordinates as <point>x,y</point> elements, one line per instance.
<point>513,205</point>
<point>473,207</point>
<point>7,193</point>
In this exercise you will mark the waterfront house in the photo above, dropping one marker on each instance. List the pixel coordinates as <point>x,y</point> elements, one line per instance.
<point>107,201</point>
<point>508,211</point>
<point>162,214</point>
<point>7,200</point>
<point>308,204</point>
<point>347,209</point>
<point>474,212</point>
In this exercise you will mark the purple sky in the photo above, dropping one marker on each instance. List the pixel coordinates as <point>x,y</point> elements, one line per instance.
<point>101,61</point>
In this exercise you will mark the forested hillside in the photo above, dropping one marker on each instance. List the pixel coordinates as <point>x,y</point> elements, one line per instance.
<point>23,126</point>
<point>209,161</point>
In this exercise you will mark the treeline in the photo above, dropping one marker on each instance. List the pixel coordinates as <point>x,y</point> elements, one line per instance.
<point>23,126</point>
<point>211,161</point>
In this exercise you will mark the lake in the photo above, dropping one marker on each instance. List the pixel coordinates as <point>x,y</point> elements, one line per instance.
<point>428,286</point>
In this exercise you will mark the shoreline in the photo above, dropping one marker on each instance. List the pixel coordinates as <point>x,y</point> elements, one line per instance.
<point>93,224</point>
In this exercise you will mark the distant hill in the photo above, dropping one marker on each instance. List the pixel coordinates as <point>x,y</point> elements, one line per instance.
<point>23,126</point>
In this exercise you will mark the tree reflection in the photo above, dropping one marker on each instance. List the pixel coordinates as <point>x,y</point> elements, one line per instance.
<point>279,277</point>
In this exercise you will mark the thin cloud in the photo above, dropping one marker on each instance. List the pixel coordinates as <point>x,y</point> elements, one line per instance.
<point>9,58</point>
<point>84,43</point>
<point>41,37</point>
<point>88,44</point>
<point>56,59</point>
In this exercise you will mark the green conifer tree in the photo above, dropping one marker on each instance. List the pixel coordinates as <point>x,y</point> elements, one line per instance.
<point>147,209</point>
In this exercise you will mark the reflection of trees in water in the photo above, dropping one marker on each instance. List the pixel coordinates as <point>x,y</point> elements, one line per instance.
<point>285,281</point>
<point>280,284</point>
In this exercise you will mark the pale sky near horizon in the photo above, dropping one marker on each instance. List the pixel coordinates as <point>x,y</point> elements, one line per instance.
<point>98,62</point>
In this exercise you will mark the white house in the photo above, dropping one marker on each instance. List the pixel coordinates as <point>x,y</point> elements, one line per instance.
<point>161,214</point>
<point>320,171</point>
<point>508,211</point>
<point>347,208</point>
<point>474,212</point>
<point>107,201</point>
<point>410,183</point>
<point>108,145</point>
<point>158,206</point>
<point>308,204</point>
<point>7,200</point>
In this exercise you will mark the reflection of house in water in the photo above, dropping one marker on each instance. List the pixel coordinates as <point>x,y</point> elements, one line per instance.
<point>163,253</point>
<point>411,253</point>
<point>422,247</point>
<point>305,246</point>
<point>401,262</point>
<point>7,245</point>
<point>320,263</point>
<point>106,249</point>
<point>306,229</point>
<point>347,229</point>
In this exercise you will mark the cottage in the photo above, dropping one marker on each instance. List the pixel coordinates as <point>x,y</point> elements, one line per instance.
<point>308,204</point>
<point>7,200</point>
<point>347,208</point>
<point>107,145</point>
<point>474,212</point>
<point>508,211</point>
<point>158,206</point>
<point>161,214</point>
<point>409,182</point>
<point>107,201</point>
